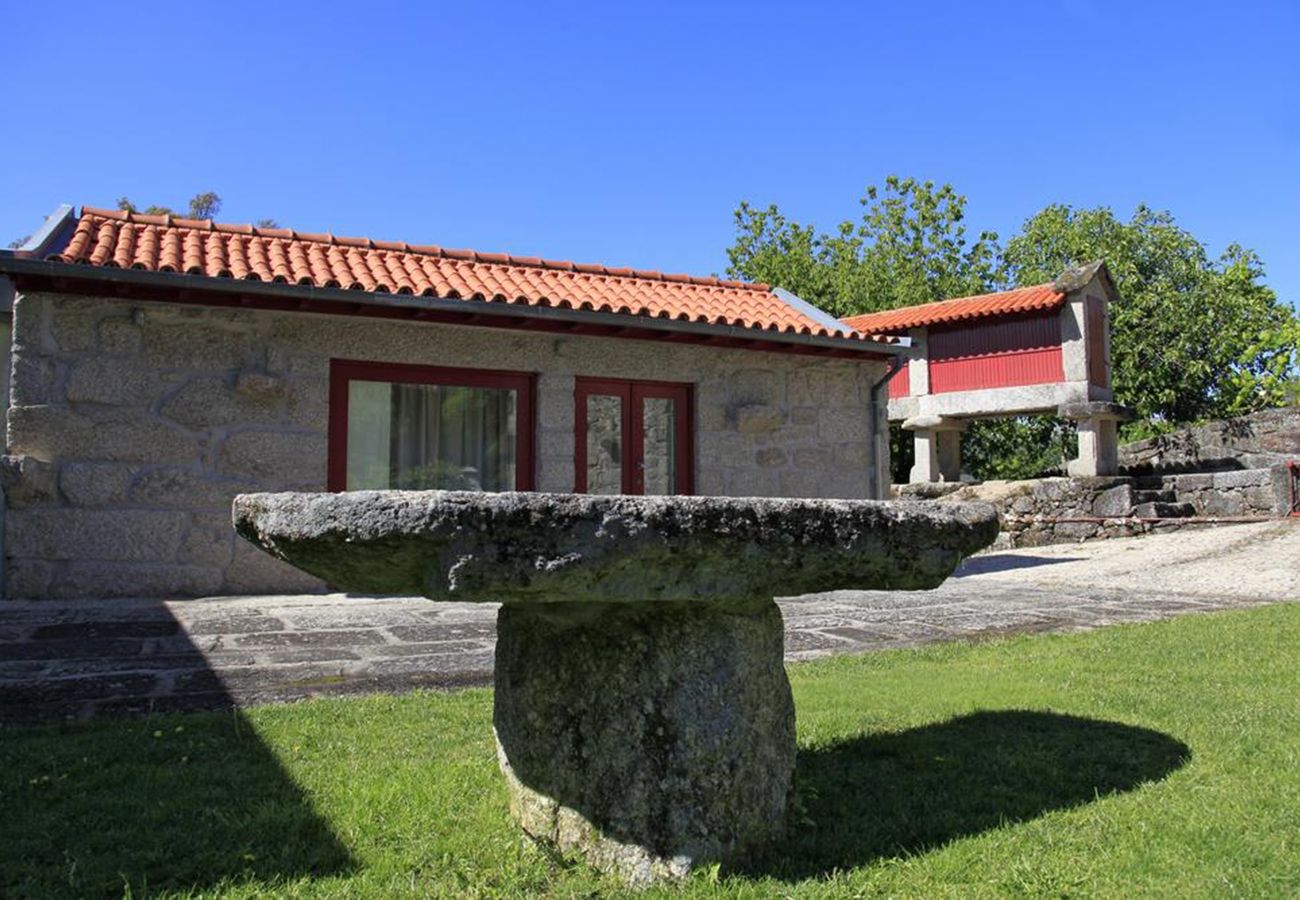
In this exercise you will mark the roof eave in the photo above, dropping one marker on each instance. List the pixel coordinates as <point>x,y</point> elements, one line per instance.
<point>806,309</point>
<point>908,324</point>
<point>484,312</point>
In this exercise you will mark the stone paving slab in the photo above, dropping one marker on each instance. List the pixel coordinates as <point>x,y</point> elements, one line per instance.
<point>75,660</point>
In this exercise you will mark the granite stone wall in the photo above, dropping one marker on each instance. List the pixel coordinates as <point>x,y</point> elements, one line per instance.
<point>132,425</point>
<point>1061,510</point>
<point>1261,439</point>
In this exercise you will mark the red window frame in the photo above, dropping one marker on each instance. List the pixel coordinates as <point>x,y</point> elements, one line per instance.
<point>632,393</point>
<point>343,371</point>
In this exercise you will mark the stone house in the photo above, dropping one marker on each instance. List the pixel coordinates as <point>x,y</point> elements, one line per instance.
<point>160,366</point>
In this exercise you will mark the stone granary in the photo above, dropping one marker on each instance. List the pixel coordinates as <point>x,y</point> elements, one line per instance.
<point>1040,349</point>
<point>161,366</point>
<point>641,708</point>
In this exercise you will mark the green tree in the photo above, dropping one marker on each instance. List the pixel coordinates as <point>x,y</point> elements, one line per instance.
<point>201,206</point>
<point>1019,447</point>
<point>909,246</point>
<point>1192,336</point>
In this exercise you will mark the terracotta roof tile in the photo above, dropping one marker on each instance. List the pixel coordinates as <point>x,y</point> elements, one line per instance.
<point>114,238</point>
<point>892,321</point>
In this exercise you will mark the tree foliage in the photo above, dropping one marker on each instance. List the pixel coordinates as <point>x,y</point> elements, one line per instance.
<point>1018,447</point>
<point>909,246</point>
<point>201,206</point>
<point>1193,336</point>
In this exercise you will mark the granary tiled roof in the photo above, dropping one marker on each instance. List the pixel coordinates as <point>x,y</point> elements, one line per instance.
<point>1020,300</point>
<point>162,243</point>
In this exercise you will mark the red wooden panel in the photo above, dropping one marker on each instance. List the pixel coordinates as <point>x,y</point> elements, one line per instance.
<point>1096,337</point>
<point>900,384</point>
<point>1002,353</point>
<point>997,370</point>
<point>1009,335</point>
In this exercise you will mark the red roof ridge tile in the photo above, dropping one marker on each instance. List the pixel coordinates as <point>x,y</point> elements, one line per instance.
<point>167,220</point>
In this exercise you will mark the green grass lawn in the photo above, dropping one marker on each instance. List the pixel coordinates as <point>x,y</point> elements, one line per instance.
<point>1158,759</point>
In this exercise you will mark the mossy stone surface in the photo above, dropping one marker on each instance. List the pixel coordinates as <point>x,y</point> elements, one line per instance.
<point>573,548</point>
<point>645,738</point>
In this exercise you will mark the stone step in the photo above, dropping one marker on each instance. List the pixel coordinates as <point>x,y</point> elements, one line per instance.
<point>1148,482</point>
<point>1164,510</point>
<point>1155,496</point>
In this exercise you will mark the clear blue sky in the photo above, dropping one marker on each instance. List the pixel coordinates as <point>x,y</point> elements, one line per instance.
<point>626,133</point>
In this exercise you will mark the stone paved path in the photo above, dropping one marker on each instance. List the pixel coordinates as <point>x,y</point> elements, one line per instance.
<point>87,658</point>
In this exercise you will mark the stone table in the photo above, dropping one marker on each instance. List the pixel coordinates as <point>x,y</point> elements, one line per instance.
<point>642,713</point>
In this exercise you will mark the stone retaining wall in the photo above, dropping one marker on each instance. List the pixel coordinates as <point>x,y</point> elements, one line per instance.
<point>1240,492</point>
<point>1031,511</point>
<point>134,424</point>
<point>1259,440</point>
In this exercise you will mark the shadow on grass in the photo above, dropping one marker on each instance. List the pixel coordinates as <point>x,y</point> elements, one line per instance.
<point>901,794</point>
<point>135,805</point>
<point>179,801</point>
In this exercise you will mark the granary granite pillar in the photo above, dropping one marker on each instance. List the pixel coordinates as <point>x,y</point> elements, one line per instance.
<point>642,712</point>
<point>1098,429</point>
<point>938,448</point>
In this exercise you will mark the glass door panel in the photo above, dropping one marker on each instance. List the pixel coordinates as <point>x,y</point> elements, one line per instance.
<point>604,440</point>
<point>658,463</point>
<point>417,427</point>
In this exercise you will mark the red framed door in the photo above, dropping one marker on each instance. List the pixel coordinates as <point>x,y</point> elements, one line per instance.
<point>633,437</point>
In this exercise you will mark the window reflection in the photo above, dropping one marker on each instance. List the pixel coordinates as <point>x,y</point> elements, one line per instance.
<point>430,437</point>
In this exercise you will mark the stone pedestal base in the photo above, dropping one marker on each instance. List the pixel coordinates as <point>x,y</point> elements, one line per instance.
<point>938,448</point>
<point>1098,423</point>
<point>648,737</point>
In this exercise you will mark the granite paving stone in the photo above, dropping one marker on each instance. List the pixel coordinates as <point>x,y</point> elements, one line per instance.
<point>308,655</point>
<point>234,624</point>
<point>332,638</point>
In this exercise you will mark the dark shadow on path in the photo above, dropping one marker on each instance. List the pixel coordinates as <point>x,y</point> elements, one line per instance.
<point>134,802</point>
<point>1007,562</point>
<point>885,795</point>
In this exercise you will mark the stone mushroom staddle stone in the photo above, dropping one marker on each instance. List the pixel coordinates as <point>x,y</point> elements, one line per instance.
<point>642,712</point>
<point>665,737</point>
